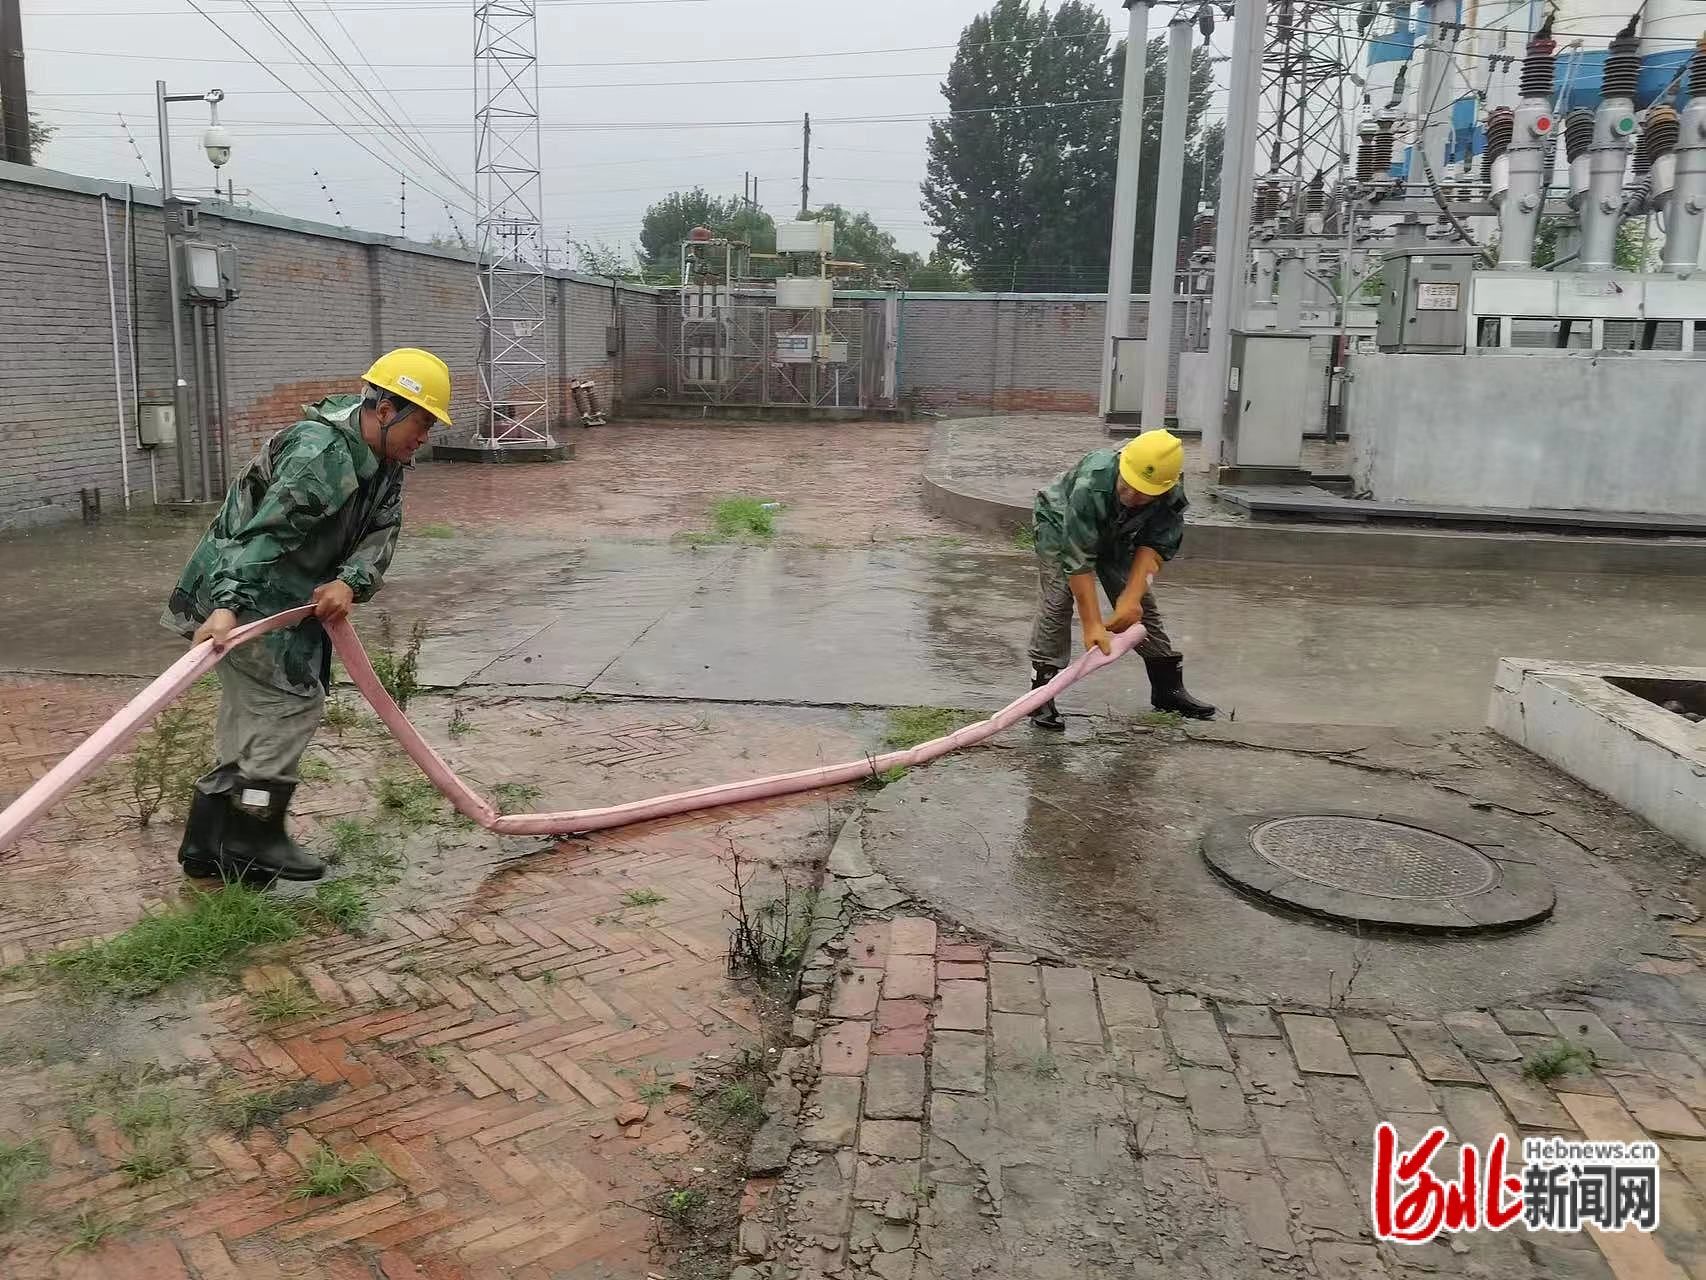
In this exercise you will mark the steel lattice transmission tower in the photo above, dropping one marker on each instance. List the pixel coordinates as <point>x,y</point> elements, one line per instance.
<point>1305,71</point>
<point>515,400</point>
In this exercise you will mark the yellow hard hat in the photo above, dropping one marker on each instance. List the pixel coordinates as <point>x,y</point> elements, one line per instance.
<point>1151,462</point>
<point>418,376</point>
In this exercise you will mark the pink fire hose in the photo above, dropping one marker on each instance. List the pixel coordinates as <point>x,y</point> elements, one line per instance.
<point>112,737</point>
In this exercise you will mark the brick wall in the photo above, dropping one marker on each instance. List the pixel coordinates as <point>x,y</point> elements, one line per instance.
<point>317,304</point>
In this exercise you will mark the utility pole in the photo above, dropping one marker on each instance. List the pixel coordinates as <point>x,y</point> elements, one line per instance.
<point>14,95</point>
<point>1117,319</point>
<point>806,169</point>
<point>1232,226</point>
<point>1164,253</point>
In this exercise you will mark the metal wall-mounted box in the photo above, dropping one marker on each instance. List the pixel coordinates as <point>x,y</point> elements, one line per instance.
<point>806,237</point>
<point>209,271</point>
<point>156,424</point>
<point>1424,299</point>
<point>1127,393</point>
<point>1268,389</point>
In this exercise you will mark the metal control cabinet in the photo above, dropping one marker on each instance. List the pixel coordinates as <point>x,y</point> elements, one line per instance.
<point>1267,398</point>
<point>1127,394</point>
<point>1424,299</point>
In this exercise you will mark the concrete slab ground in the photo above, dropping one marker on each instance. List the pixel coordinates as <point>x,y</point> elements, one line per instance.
<point>1076,1054</point>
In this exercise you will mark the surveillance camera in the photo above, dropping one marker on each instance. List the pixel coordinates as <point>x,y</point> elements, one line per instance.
<point>217,143</point>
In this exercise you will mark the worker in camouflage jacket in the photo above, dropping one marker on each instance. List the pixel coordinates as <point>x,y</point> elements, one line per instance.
<point>313,519</point>
<point>1115,517</point>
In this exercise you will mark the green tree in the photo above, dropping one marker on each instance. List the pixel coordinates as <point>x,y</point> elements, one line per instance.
<point>597,258</point>
<point>669,221</point>
<point>941,274</point>
<point>40,134</point>
<point>1020,175</point>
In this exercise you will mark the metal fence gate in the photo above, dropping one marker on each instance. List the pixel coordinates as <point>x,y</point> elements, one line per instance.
<point>698,352</point>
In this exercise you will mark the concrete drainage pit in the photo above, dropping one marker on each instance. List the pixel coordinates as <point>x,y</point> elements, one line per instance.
<point>1685,698</point>
<point>1379,872</point>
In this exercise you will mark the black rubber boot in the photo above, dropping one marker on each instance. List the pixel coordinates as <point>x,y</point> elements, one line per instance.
<point>198,854</point>
<point>1167,689</point>
<point>1048,715</point>
<point>255,845</point>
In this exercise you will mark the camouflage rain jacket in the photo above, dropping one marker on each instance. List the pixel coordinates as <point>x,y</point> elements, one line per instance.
<point>314,505</point>
<point>1082,524</point>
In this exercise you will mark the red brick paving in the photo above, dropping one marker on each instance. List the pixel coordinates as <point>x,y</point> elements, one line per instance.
<point>479,1040</point>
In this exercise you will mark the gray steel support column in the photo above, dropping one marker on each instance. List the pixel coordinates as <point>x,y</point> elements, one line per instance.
<point>1232,229</point>
<point>1169,191</point>
<point>1124,244</point>
<point>1433,110</point>
<point>174,303</point>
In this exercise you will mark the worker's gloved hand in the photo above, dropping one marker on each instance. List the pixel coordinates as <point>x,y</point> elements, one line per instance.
<point>332,601</point>
<point>1126,616</point>
<point>218,626</point>
<point>1096,637</point>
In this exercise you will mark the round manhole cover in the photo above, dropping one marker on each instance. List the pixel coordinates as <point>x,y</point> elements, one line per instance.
<point>1375,857</point>
<point>1383,870</point>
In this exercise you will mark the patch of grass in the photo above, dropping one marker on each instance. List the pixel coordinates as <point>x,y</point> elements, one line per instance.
<point>414,800</point>
<point>340,715</point>
<point>398,671</point>
<point>314,769</point>
<point>683,1207</point>
<point>1043,1065</point>
<point>330,1174</point>
<point>739,1102</point>
<point>459,723</point>
<point>242,1110</point>
<point>888,777</point>
<point>743,517</point>
<point>88,1230</point>
<point>353,840</point>
<point>171,756</point>
<point>909,726</point>
<point>433,1054</point>
<point>436,530</point>
<point>206,930</point>
<point>1160,719</point>
<point>21,1163</point>
<point>154,1154</point>
<point>1561,1059</point>
<point>284,1001</point>
<point>643,898</point>
<point>654,1092</point>
<point>341,903</point>
<point>513,797</point>
<point>1025,537</point>
<point>548,978</point>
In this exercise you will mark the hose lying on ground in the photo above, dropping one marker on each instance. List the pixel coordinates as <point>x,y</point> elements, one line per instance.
<point>112,737</point>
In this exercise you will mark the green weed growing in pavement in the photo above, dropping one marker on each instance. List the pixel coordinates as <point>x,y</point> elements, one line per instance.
<point>683,1206</point>
<point>436,530</point>
<point>398,671</point>
<point>910,726</point>
<point>1160,719</point>
<point>743,517</point>
<point>433,1054</point>
<point>284,1001</point>
<point>341,715</point>
<point>171,756</point>
<point>512,797</point>
<point>314,769</point>
<point>88,1230</point>
<point>643,898</point>
<point>353,840</point>
<point>739,1102</point>
<point>1556,1060</point>
<point>413,800</point>
<point>698,538</point>
<point>241,1110</point>
<point>459,723</point>
<point>1025,537</point>
<point>21,1163</point>
<point>342,904</point>
<point>887,778</point>
<point>1043,1065</point>
<point>654,1092</point>
<point>330,1174</point>
<point>205,930</point>
<point>153,1116</point>
<point>769,938</point>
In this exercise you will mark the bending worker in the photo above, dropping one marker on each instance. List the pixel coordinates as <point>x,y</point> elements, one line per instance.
<point>1117,516</point>
<point>314,520</point>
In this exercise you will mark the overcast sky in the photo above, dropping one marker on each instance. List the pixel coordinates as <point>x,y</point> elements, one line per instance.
<point>637,99</point>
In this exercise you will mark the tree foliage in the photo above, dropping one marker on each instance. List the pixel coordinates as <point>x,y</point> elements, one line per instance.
<point>669,221</point>
<point>1020,175</point>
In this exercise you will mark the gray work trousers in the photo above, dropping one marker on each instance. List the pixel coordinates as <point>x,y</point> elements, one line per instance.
<point>262,730</point>
<point>1051,633</point>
